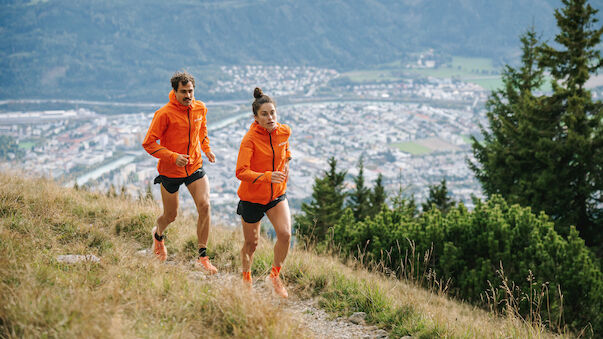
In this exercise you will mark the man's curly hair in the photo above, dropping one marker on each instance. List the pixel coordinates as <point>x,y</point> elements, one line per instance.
<point>181,78</point>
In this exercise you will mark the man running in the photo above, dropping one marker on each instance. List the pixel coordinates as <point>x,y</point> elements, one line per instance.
<point>181,128</point>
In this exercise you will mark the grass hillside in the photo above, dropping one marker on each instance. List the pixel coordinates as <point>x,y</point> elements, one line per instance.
<point>130,295</point>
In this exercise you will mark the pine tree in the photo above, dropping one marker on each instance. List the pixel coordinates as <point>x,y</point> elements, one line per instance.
<point>546,151</point>
<point>438,196</point>
<point>359,197</point>
<point>402,205</point>
<point>509,155</point>
<point>377,197</point>
<point>325,209</point>
<point>578,151</point>
<point>515,157</point>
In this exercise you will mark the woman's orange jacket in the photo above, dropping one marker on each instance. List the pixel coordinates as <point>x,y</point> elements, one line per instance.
<point>180,130</point>
<point>260,154</point>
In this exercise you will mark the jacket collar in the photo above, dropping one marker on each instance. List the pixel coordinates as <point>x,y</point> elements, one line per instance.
<point>178,105</point>
<point>261,130</point>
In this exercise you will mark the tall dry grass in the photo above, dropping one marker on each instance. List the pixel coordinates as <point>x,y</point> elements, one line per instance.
<point>126,294</point>
<point>131,295</point>
<point>403,307</point>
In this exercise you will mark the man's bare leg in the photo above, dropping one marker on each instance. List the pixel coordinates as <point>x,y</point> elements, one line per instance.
<point>170,210</point>
<point>199,190</point>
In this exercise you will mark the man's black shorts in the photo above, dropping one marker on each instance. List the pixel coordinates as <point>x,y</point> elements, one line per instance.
<point>172,184</point>
<point>252,212</point>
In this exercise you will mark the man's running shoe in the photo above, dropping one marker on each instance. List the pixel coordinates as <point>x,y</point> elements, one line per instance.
<point>277,284</point>
<point>159,246</point>
<point>204,264</point>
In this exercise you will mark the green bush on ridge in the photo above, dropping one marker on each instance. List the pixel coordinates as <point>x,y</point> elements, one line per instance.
<point>474,248</point>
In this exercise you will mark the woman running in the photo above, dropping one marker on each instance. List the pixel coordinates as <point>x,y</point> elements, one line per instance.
<point>263,168</point>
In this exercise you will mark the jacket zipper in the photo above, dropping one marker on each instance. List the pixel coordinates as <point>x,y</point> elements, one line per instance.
<point>271,188</point>
<point>188,146</point>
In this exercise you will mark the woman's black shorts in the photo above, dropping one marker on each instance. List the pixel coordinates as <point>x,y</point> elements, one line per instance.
<point>252,212</point>
<point>172,184</point>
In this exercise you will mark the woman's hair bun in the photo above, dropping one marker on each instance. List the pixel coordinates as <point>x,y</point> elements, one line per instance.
<point>257,93</point>
<point>260,99</point>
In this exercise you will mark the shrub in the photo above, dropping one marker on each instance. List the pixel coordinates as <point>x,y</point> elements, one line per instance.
<point>470,247</point>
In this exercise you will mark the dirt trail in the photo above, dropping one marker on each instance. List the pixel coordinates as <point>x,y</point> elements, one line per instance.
<point>305,310</point>
<point>308,312</point>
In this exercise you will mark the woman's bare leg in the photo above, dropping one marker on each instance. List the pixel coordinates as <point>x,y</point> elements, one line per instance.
<point>251,233</point>
<point>280,217</point>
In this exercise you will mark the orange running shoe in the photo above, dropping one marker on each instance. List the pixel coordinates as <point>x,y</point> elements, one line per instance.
<point>277,284</point>
<point>159,246</point>
<point>204,264</point>
<point>247,282</point>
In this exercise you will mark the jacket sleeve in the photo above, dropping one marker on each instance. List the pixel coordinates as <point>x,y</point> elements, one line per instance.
<point>287,149</point>
<point>156,132</point>
<point>243,171</point>
<point>203,133</point>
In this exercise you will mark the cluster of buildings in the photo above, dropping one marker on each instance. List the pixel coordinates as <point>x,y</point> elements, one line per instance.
<point>425,89</point>
<point>104,152</point>
<point>274,80</point>
<point>373,130</point>
<point>64,149</point>
<point>349,131</point>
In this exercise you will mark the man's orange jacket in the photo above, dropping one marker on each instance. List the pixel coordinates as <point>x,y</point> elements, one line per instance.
<point>260,154</point>
<point>180,129</point>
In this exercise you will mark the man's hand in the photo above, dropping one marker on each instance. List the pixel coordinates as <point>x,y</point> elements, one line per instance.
<point>210,156</point>
<point>278,177</point>
<point>182,160</point>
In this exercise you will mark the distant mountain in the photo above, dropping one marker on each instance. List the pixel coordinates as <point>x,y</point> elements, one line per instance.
<point>126,50</point>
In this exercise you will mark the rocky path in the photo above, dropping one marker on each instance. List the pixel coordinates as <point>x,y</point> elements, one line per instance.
<point>308,312</point>
<point>321,324</point>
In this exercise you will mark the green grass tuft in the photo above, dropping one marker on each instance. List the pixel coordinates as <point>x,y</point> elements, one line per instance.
<point>136,226</point>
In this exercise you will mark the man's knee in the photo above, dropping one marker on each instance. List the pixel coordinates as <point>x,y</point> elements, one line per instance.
<point>284,235</point>
<point>203,205</point>
<point>169,217</point>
